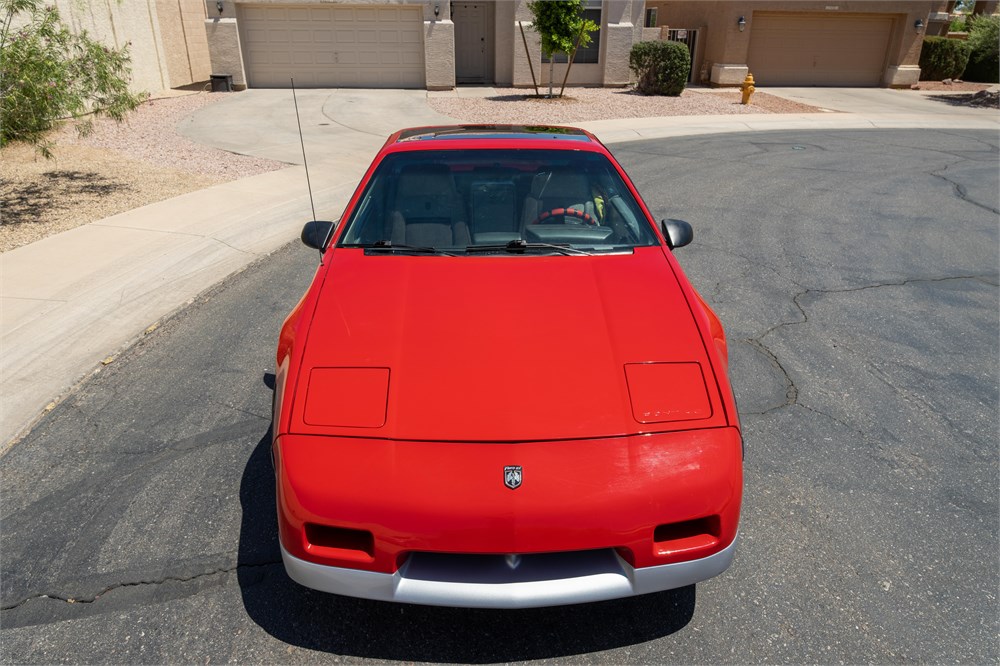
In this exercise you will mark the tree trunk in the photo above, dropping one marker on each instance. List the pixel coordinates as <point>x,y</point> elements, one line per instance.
<point>569,59</point>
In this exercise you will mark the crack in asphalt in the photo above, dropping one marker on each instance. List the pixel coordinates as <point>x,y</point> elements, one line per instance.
<point>960,191</point>
<point>221,435</point>
<point>852,428</point>
<point>958,428</point>
<point>960,155</point>
<point>139,583</point>
<point>105,498</point>
<point>791,389</point>
<point>750,158</point>
<point>749,260</point>
<point>990,147</point>
<point>262,417</point>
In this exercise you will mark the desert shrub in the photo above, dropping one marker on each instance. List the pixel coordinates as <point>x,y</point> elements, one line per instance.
<point>660,67</point>
<point>47,73</point>
<point>943,58</point>
<point>984,40</point>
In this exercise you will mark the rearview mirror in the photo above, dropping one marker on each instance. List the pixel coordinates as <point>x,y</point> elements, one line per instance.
<point>316,234</point>
<point>677,232</point>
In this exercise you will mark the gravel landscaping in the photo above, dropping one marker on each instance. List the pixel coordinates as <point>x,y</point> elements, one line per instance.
<point>515,105</point>
<point>118,167</point>
<point>950,85</point>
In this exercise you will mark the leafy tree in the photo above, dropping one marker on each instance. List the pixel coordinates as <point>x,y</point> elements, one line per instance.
<point>984,38</point>
<point>958,25</point>
<point>48,74</point>
<point>563,29</point>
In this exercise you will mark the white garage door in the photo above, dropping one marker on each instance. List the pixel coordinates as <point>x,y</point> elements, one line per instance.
<point>332,47</point>
<point>813,50</point>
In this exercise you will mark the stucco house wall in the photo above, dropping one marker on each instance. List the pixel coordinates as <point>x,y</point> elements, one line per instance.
<point>725,55</point>
<point>166,38</point>
<point>621,27</point>
<point>722,52</point>
<point>512,61</point>
<point>185,44</point>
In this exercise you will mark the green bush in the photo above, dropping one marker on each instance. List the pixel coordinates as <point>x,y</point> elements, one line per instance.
<point>984,40</point>
<point>48,74</point>
<point>943,58</point>
<point>660,67</point>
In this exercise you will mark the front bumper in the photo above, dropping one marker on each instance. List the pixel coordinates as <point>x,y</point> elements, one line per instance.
<point>434,523</point>
<point>552,579</point>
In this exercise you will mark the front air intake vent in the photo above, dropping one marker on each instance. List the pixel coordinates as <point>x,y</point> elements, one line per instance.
<point>341,541</point>
<point>687,535</point>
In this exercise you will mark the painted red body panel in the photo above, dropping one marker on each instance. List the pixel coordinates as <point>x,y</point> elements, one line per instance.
<point>450,497</point>
<point>507,348</point>
<point>490,361</point>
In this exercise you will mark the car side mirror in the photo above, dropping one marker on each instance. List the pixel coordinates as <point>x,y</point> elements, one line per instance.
<point>677,232</point>
<point>316,233</point>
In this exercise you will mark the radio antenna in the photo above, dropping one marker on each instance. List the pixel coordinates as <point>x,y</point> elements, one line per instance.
<point>295,99</point>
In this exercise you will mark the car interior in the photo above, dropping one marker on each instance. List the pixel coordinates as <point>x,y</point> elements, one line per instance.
<point>452,201</point>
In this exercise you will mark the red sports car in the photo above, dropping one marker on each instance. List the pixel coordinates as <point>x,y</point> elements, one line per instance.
<point>500,389</point>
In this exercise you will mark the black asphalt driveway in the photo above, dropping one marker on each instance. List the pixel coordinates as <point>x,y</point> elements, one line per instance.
<point>856,273</point>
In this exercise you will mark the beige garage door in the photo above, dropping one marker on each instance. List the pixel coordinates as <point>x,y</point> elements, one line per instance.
<point>808,50</point>
<point>332,47</point>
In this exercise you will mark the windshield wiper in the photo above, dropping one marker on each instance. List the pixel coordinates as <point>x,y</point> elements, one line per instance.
<point>520,246</point>
<point>389,246</point>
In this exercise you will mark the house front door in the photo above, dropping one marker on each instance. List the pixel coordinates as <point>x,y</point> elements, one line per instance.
<point>471,42</point>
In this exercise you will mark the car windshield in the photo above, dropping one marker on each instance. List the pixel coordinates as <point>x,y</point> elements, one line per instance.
<point>504,201</point>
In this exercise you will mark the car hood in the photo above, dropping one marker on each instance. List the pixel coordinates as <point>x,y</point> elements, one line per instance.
<point>503,348</point>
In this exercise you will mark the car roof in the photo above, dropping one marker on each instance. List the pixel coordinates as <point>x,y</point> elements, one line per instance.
<point>494,132</point>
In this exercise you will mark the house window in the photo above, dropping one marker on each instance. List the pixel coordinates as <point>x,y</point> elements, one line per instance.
<point>592,53</point>
<point>651,17</point>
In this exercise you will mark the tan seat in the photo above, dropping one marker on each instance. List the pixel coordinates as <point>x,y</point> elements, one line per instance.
<point>428,210</point>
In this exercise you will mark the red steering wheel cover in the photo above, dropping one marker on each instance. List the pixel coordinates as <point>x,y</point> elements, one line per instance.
<point>572,212</point>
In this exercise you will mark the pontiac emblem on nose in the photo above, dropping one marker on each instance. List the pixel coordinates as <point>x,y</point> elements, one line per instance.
<point>512,476</point>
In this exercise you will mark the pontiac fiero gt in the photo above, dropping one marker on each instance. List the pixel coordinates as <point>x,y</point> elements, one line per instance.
<point>500,389</point>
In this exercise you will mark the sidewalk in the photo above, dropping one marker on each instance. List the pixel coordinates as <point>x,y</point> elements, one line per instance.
<point>73,299</point>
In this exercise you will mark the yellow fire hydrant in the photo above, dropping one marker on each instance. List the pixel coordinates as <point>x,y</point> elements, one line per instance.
<point>748,88</point>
